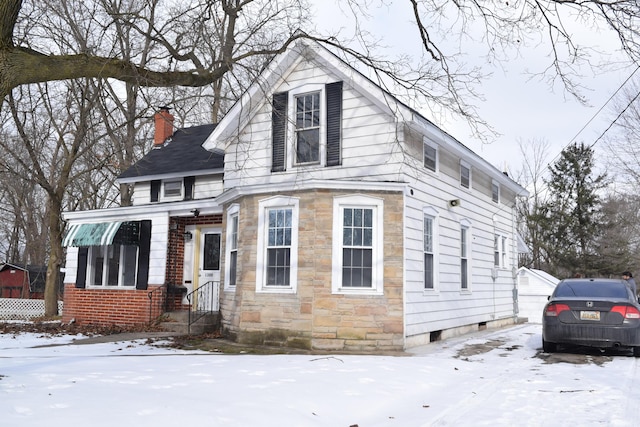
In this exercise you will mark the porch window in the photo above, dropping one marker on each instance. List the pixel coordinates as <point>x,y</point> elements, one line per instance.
<point>112,254</point>
<point>113,265</point>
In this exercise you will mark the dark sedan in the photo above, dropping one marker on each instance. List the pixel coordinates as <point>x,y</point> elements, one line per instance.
<point>601,313</point>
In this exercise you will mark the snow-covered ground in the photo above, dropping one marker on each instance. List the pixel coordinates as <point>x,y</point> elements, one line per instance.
<point>496,378</point>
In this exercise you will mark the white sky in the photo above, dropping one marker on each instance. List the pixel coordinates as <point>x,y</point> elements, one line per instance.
<point>136,384</point>
<point>518,107</point>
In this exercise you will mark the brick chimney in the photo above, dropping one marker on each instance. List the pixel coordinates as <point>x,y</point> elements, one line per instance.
<point>164,126</point>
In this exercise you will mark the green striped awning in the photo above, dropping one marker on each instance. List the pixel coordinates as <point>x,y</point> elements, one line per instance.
<point>103,233</point>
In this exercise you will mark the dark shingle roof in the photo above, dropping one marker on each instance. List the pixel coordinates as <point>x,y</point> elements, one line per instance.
<point>183,153</point>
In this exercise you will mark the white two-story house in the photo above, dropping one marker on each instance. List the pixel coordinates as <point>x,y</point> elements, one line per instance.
<point>325,214</point>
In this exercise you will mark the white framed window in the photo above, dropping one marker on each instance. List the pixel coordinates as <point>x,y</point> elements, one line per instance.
<point>465,174</point>
<point>430,155</point>
<point>307,128</point>
<point>307,124</point>
<point>495,191</point>
<point>112,266</point>
<point>465,255</point>
<point>500,247</point>
<point>430,246</point>
<point>277,263</point>
<point>231,265</point>
<point>172,189</point>
<point>357,245</point>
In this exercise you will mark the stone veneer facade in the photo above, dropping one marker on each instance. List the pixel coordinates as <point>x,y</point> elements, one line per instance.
<point>313,317</point>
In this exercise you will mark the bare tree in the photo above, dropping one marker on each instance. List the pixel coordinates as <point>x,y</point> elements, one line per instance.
<point>535,159</point>
<point>214,44</point>
<point>197,43</point>
<point>52,135</point>
<point>623,145</point>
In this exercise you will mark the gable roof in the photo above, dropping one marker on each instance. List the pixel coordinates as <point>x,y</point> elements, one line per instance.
<point>181,155</point>
<point>276,73</point>
<point>541,275</point>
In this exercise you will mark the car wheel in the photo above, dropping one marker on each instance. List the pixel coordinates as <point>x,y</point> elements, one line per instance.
<point>551,347</point>
<point>636,351</point>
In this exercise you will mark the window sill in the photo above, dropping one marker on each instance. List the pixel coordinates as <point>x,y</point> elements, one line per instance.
<point>276,290</point>
<point>358,292</point>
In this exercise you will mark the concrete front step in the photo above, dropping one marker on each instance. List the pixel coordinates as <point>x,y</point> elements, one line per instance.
<point>178,321</point>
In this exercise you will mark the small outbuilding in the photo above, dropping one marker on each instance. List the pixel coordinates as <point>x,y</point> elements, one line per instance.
<point>534,288</point>
<point>23,281</point>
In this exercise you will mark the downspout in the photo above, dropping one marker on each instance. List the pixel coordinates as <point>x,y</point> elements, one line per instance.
<point>514,268</point>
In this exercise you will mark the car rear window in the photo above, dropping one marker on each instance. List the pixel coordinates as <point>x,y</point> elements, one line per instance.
<point>592,289</point>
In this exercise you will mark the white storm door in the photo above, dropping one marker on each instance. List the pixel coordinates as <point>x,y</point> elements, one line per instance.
<point>209,267</point>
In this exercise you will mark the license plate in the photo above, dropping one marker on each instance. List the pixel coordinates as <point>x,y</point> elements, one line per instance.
<point>589,315</point>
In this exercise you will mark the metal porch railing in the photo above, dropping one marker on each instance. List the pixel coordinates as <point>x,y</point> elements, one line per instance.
<point>204,300</point>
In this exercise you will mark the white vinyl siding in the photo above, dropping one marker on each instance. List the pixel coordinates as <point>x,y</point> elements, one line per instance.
<point>378,147</point>
<point>366,137</point>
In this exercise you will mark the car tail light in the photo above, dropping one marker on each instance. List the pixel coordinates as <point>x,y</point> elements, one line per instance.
<point>555,309</point>
<point>627,311</point>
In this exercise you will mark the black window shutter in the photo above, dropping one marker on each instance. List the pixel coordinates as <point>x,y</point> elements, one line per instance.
<point>155,190</point>
<point>334,123</point>
<point>81,275</point>
<point>278,131</point>
<point>189,182</point>
<point>143,255</point>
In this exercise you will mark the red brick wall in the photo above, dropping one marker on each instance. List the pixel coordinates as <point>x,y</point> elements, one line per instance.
<point>110,306</point>
<point>175,252</point>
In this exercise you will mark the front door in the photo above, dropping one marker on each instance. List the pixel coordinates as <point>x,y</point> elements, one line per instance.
<point>208,269</point>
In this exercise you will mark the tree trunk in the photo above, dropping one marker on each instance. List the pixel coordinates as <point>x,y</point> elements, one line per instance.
<point>55,258</point>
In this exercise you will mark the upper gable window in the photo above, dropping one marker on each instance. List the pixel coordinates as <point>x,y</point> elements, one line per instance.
<point>307,128</point>
<point>495,191</point>
<point>465,175</point>
<point>430,155</point>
